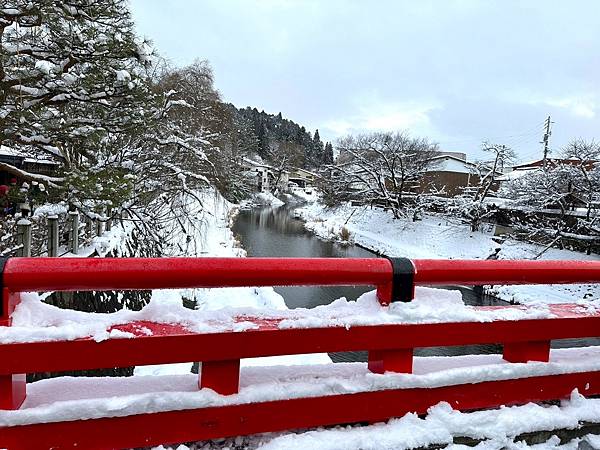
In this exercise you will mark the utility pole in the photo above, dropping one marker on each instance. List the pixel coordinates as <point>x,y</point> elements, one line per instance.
<point>545,140</point>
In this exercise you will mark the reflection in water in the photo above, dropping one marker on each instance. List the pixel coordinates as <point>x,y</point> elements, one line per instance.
<point>275,232</point>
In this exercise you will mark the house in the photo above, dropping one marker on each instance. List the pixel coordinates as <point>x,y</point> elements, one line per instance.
<point>450,174</point>
<point>523,169</point>
<point>265,178</point>
<point>553,162</point>
<point>24,162</point>
<point>302,177</point>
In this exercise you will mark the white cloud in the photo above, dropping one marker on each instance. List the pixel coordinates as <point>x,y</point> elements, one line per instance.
<point>582,105</point>
<point>578,106</point>
<point>375,115</point>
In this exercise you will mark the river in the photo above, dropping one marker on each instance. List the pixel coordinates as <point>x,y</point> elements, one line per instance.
<point>275,231</point>
<point>270,231</point>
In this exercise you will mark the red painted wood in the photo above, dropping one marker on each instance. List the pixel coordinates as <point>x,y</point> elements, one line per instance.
<point>384,293</point>
<point>521,352</point>
<point>9,301</point>
<point>12,386</point>
<point>208,423</point>
<point>268,340</point>
<point>400,361</point>
<point>476,272</point>
<point>222,377</point>
<point>12,391</point>
<point>220,352</point>
<point>57,274</point>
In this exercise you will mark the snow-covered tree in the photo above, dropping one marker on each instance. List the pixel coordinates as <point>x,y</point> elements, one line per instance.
<point>584,157</point>
<point>70,74</point>
<point>79,87</point>
<point>328,154</point>
<point>559,185</point>
<point>475,209</point>
<point>378,168</point>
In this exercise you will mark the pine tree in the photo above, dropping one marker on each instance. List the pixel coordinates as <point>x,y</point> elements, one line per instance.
<point>316,158</point>
<point>71,74</point>
<point>328,154</point>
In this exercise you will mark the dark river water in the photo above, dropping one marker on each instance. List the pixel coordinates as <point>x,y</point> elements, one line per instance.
<point>269,231</point>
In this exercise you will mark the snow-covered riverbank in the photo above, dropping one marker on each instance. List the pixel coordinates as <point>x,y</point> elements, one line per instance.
<point>215,238</point>
<point>438,237</point>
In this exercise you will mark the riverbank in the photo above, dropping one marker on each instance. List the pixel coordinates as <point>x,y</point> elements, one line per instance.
<point>216,239</point>
<point>436,238</point>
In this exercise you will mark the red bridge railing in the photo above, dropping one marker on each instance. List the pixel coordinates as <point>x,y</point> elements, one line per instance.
<point>72,274</point>
<point>390,346</point>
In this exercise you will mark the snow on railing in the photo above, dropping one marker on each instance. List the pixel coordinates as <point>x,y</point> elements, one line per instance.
<point>49,233</point>
<point>273,398</point>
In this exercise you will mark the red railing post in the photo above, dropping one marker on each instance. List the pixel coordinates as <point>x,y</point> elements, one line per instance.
<point>12,387</point>
<point>400,360</point>
<point>384,293</point>
<point>222,377</point>
<point>521,352</point>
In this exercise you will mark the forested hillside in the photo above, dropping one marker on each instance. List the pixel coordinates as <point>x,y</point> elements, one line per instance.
<point>276,137</point>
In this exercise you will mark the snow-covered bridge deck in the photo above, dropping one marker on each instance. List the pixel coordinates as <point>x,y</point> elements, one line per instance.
<point>100,413</point>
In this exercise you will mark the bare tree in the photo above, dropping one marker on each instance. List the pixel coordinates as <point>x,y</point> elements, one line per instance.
<point>379,168</point>
<point>584,156</point>
<point>559,186</point>
<point>476,209</point>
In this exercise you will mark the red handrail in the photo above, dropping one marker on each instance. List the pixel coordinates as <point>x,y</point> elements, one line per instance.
<point>475,272</point>
<point>68,274</point>
<point>56,274</point>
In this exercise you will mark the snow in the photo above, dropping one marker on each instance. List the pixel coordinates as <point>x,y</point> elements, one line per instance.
<point>172,387</point>
<point>306,194</point>
<point>451,164</point>
<point>266,198</point>
<point>442,424</point>
<point>438,237</point>
<point>9,151</point>
<point>215,238</point>
<point>220,310</point>
<point>46,67</point>
<point>123,75</point>
<point>516,174</point>
<point>68,398</point>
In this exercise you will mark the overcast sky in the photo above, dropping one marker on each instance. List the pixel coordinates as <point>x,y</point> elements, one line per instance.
<point>457,72</point>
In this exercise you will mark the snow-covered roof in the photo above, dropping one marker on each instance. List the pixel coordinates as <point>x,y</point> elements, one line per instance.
<point>298,169</point>
<point>41,161</point>
<point>449,163</point>
<point>515,174</point>
<point>553,162</point>
<point>254,163</point>
<point>15,153</point>
<point>9,151</point>
<point>459,155</point>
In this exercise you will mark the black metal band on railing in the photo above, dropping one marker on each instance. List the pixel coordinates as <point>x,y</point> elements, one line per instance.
<point>3,260</point>
<point>403,279</point>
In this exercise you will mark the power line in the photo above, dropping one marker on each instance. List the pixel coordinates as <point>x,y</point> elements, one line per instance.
<point>528,132</point>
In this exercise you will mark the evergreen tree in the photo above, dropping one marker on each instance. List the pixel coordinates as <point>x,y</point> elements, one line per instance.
<point>316,157</point>
<point>76,87</point>
<point>71,75</point>
<point>328,154</point>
